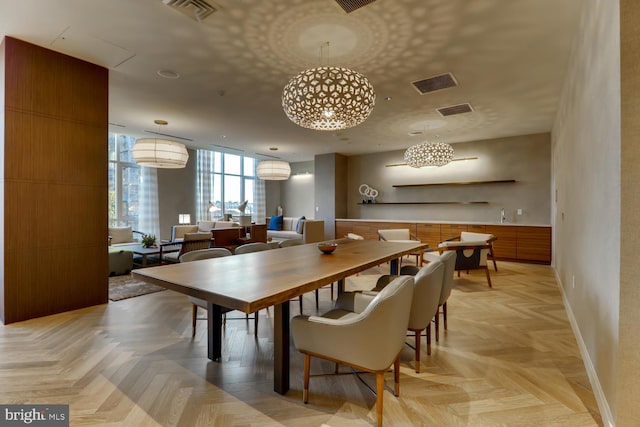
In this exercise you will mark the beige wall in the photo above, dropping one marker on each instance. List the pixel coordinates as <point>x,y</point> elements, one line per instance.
<point>523,158</point>
<point>297,193</point>
<point>586,179</point>
<point>177,194</point>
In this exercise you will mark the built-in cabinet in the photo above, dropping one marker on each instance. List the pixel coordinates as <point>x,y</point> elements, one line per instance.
<point>514,242</point>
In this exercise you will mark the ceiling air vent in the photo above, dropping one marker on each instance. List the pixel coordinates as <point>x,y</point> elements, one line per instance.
<point>455,109</point>
<point>434,83</point>
<point>196,9</point>
<point>351,5</point>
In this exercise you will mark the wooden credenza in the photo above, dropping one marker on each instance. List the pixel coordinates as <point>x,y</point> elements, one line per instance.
<point>525,243</point>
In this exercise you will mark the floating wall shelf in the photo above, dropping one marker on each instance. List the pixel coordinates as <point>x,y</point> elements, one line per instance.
<point>424,203</point>
<point>503,181</point>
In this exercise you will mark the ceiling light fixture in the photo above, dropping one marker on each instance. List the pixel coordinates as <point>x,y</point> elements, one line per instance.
<point>328,98</point>
<point>428,154</point>
<point>160,153</point>
<point>273,170</point>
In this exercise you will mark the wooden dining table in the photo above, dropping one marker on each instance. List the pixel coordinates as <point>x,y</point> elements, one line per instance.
<point>258,280</point>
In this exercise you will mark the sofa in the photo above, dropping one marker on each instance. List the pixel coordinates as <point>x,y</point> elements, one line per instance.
<point>178,231</point>
<point>310,230</point>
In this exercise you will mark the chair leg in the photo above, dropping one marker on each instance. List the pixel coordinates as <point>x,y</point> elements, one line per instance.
<point>418,336</point>
<point>396,375</point>
<point>331,291</point>
<point>428,334</point>
<point>438,325</point>
<point>486,270</point>
<point>255,322</point>
<point>194,315</point>
<point>493,258</point>
<point>317,299</point>
<point>379,394</point>
<point>458,273</point>
<point>307,367</point>
<point>444,314</point>
<point>300,301</point>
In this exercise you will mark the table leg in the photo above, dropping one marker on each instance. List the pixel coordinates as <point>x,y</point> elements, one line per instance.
<point>340,286</point>
<point>394,267</point>
<point>144,260</point>
<point>281,348</point>
<point>214,331</point>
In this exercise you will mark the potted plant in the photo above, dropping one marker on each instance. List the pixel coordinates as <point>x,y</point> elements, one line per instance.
<point>148,241</point>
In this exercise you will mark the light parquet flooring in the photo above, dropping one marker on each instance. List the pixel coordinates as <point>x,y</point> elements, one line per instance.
<point>509,358</point>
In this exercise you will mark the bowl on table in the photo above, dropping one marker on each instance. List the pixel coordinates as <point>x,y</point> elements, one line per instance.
<point>327,248</point>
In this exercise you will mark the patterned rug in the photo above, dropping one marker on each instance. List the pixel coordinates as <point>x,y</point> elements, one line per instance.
<point>123,287</point>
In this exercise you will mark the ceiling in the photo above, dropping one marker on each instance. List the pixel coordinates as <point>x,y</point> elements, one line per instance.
<point>509,58</point>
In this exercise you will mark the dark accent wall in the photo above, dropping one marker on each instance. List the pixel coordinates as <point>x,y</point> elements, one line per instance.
<point>54,182</point>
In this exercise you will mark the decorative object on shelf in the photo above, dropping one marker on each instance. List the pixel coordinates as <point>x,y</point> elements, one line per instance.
<point>273,170</point>
<point>148,241</point>
<point>369,193</point>
<point>160,153</point>
<point>184,219</point>
<point>326,247</point>
<point>427,203</point>
<point>428,154</point>
<point>328,98</point>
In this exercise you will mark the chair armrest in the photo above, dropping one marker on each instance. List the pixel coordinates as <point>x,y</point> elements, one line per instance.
<point>138,232</point>
<point>451,239</point>
<point>414,237</point>
<point>354,301</point>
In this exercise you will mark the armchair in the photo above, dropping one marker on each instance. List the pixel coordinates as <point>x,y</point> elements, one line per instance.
<point>468,236</point>
<point>469,255</point>
<point>449,260</point>
<point>119,236</point>
<point>401,235</point>
<point>191,242</point>
<point>365,337</point>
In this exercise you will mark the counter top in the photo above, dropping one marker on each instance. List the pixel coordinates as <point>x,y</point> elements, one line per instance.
<point>445,222</point>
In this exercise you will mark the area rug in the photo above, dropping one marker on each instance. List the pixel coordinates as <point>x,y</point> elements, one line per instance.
<point>123,287</point>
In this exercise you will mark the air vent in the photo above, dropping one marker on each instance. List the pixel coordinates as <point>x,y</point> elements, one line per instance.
<point>434,83</point>
<point>455,109</point>
<point>169,136</point>
<point>196,9</point>
<point>351,5</point>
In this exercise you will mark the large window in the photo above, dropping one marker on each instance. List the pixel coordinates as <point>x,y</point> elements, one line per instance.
<point>231,181</point>
<point>124,182</point>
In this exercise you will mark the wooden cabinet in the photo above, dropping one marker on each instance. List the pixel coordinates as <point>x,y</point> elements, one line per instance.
<point>514,242</point>
<point>505,246</point>
<point>429,233</point>
<point>534,243</point>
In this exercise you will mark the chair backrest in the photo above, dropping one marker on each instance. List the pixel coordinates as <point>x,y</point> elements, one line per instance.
<point>204,254</point>
<point>387,317</point>
<point>395,234</point>
<point>426,295</point>
<point>290,242</point>
<point>409,270</point>
<point>449,260</point>
<point>195,241</point>
<point>471,255</point>
<point>251,247</point>
<point>354,236</point>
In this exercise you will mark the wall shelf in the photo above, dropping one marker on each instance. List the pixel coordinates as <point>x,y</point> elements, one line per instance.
<point>502,181</point>
<point>424,203</point>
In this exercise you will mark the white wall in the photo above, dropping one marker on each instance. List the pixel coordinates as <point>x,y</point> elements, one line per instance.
<point>524,158</point>
<point>586,178</point>
<point>297,193</point>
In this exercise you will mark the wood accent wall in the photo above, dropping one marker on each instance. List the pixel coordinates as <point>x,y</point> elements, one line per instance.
<point>515,242</point>
<point>54,183</point>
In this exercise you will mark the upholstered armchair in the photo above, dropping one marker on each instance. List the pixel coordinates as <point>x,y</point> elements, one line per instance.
<point>470,255</point>
<point>401,235</point>
<point>364,335</point>
<point>190,242</point>
<point>468,236</point>
<point>448,258</point>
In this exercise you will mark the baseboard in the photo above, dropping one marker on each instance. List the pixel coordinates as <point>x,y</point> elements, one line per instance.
<point>603,405</point>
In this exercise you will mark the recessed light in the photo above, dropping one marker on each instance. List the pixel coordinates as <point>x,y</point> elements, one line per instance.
<point>273,148</point>
<point>161,122</point>
<point>388,98</point>
<point>415,133</point>
<point>168,74</point>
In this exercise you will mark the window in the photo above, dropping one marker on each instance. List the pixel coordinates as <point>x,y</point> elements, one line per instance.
<point>124,182</point>
<point>228,180</point>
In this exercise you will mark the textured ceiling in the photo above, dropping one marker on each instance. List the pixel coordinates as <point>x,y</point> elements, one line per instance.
<point>509,58</point>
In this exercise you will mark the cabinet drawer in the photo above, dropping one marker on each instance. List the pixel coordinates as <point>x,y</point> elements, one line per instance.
<point>477,228</point>
<point>534,244</point>
<point>505,245</point>
<point>430,234</point>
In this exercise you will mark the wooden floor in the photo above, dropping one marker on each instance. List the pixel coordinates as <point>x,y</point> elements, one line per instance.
<point>509,358</point>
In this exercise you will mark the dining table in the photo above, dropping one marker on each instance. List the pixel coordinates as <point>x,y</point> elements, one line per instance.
<point>254,281</point>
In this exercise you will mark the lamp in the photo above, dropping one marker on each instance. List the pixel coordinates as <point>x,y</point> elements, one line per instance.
<point>328,98</point>
<point>242,206</point>
<point>184,219</point>
<point>160,153</point>
<point>428,154</point>
<point>273,170</point>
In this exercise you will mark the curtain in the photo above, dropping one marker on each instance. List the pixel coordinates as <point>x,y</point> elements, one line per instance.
<point>260,212</point>
<point>149,213</point>
<point>204,184</point>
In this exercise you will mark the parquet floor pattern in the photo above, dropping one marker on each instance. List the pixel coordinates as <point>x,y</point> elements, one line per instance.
<point>509,358</point>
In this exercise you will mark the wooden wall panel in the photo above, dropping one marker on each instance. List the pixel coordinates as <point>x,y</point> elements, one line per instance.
<point>54,182</point>
<point>534,243</point>
<point>505,246</point>
<point>429,233</point>
<point>448,231</point>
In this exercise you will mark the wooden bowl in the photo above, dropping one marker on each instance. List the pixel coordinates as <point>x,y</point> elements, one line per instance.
<point>327,248</point>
